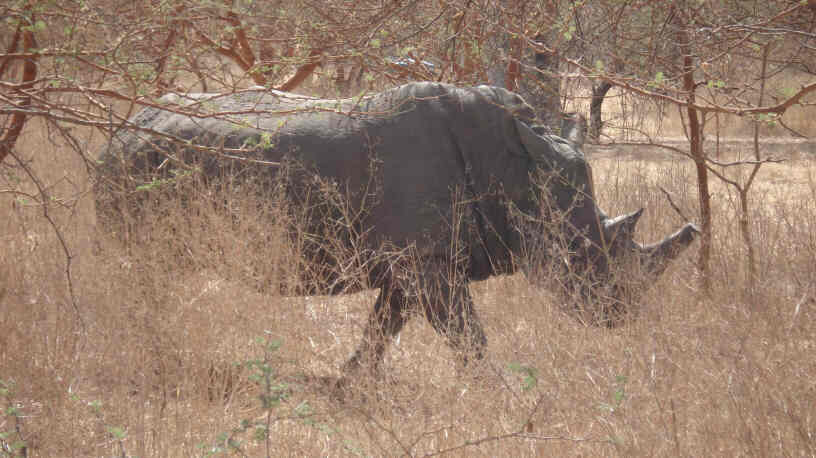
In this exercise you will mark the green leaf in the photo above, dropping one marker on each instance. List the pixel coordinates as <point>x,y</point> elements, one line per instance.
<point>303,409</point>
<point>266,140</point>
<point>529,375</point>
<point>659,78</point>
<point>261,433</point>
<point>117,432</point>
<point>620,392</point>
<point>718,84</point>
<point>787,92</point>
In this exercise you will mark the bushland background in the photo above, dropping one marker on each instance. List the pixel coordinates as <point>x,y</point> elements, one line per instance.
<point>172,344</point>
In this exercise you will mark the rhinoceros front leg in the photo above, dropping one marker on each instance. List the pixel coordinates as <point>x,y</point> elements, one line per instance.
<point>449,308</point>
<point>384,322</point>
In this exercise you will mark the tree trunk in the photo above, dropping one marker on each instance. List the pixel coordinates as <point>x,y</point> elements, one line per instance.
<point>543,90</point>
<point>497,47</point>
<point>745,211</point>
<point>14,124</point>
<point>595,113</point>
<point>697,153</point>
<point>703,194</point>
<point>503,53</point>
<point>548,96</point>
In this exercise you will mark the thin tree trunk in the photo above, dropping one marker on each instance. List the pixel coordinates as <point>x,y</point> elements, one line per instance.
<point>548,106</point>
<point>12,130</point>
<point>745,227</point>
<point>697,154</point>
<point>595,113</point>
<point>543,90</point>
<point>497,49</point>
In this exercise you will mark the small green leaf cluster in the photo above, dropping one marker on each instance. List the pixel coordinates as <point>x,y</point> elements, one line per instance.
<point>529,375</point>
<point>12,442</point>
<point>273,393</point>
<point>618,395</point>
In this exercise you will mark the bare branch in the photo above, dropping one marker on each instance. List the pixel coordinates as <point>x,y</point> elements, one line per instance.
<point>303,71</point>
<point>175,29</point>
<point>769,160</point>
<point>673,205</point>
<point>237,56</point>
<point>638,86</point>
<point>45,203</point>
<point>793,131</point>
<point>244,49</point>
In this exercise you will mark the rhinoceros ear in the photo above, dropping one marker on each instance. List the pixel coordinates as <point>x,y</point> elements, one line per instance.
<point>573,128</point>
<point>553,151</point>
<point>622,226</point>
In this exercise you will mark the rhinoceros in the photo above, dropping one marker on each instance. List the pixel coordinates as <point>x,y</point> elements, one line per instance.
<point>454,173</point>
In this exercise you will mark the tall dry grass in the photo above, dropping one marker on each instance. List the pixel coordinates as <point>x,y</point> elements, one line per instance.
<point>175,341</point>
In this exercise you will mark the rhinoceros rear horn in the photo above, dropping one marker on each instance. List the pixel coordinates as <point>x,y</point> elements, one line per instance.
<point>622,226</point>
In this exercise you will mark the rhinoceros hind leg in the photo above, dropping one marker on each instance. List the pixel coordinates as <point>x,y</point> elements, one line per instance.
<point>384,322</point>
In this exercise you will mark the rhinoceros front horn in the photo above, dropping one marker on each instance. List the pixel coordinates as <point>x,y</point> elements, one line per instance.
<point>656,257</point>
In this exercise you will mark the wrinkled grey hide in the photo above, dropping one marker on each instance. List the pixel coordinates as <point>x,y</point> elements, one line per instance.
<point>437,154</point>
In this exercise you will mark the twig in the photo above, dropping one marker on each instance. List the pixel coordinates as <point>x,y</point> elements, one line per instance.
<point>793,131</point>
<point>797,309</point>
<point>45,197</point>
<point>303,71</point>
<point>746,162</point>
<point>514,435</point>
<point>673,205</point>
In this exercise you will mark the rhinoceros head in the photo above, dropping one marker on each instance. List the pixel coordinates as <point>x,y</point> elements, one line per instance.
<point>603,260</point>
<point>611,275</point>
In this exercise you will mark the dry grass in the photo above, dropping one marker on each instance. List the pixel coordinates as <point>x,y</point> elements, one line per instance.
<point>155,366</point>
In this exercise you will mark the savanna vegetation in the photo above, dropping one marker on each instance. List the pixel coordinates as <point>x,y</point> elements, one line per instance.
<point>178,341</point>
